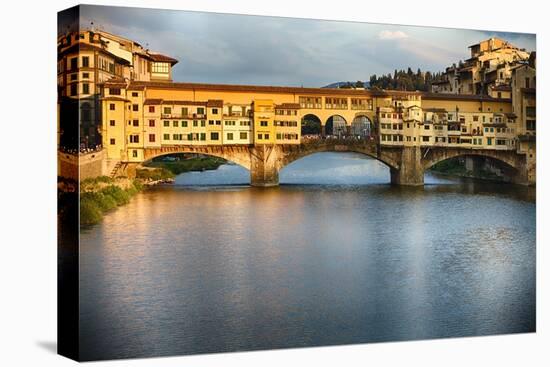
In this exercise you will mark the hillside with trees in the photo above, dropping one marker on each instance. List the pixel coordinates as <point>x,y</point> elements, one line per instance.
<point>405,80</point>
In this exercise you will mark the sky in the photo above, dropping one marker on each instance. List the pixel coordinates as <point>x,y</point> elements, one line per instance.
<point>243,49</point>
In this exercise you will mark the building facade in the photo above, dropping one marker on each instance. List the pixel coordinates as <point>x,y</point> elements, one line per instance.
<point>129,104</point>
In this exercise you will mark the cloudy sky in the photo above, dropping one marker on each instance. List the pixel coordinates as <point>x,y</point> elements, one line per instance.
<point>240,49</point>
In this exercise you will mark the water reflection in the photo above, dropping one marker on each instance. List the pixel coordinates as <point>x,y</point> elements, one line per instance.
<point>199,268</point>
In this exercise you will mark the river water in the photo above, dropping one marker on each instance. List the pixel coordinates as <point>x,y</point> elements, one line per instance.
<point>335,255</point>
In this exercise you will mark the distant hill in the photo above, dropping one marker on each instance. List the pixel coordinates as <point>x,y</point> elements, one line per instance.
<point>346,84</point>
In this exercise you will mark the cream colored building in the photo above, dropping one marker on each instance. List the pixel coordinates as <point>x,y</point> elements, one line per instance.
<point>489,66</point>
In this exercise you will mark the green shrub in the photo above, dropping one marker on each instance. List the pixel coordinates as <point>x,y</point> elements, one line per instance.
<point>95,180</point>
<point>119,195</point>
<point>137,185</point>
<point>90,213</point>
<point>154,174</point>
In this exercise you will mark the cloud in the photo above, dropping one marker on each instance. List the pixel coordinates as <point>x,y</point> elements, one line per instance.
<point>392,35</point>
<point>239,49</point>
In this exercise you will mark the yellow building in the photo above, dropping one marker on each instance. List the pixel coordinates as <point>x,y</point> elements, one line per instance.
<point>130,90</point>
<point>264,127</point>
<point>489,66</point>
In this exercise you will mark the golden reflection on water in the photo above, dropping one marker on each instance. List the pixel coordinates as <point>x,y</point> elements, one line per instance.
<point>189,269</point>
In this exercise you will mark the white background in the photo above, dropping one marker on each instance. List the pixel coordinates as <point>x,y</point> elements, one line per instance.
<point>28,183</point>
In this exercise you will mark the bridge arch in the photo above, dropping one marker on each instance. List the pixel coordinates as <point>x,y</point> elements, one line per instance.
<point>369,148</point>
<point>311,125</point>
<point>508,159</point>
<point>237,154</point>
<point>362,126</point>
<point>510,163</point>
<point>336,125</point>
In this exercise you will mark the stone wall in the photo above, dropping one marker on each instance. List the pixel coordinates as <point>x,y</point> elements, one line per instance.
<point>89,165</point>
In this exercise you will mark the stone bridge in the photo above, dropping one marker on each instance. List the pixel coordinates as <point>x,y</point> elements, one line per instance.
<point>407,163</point>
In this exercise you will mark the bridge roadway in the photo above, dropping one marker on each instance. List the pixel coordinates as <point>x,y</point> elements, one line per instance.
<point>407,163</point>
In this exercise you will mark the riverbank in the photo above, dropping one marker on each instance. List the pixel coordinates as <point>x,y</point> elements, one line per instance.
<point>187,165</point>
<point>101,194</point>
<point>454,167</point>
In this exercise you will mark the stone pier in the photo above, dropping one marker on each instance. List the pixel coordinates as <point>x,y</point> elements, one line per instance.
<point>264,165</point>
<point>410,171</point>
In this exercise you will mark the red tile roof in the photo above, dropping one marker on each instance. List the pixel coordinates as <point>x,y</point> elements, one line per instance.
<point>162,58</point>
<point>272,89</point>
<point>152,101</point>
<point>215,103</point>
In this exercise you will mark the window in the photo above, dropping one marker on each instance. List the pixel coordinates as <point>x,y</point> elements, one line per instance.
<point>184,111</point>
<point>531,111</point>
<point>203,123</point>
<point>243,135</point>
<point>166,123</point>
<point>309,102</point>
<point>425,138</point>
<point>73,63</point>
<point>151,109</point>
<point>85,75</point>
<point>263,123</point>
<point>151,123</point>
<point>136,123</point>
<point>112,123</point>
<point>229,136</point>
<point>531,125</point>
<point>200,111</point>
<point>336,103</point>
<point>166,136</point>
<point>203,136</point>
<point>167,110</point>
<point>134,138</point>
<point>184,123</point>
<point>426,127</point>
<point>259,136</point>
<point>214,136</point>
<point>134,153</point>
<point>74,89</point>
<point>85,61</point>
<point>86,88</point>
<point>175,123</point>
<point>114,91</point>
<point>214,111</point>
<point>489,141</point>
<point>112,141</point>
<point>526,82</point>
<point>476,118</point>
<point>134,94</point>
<point>361,104</point>
<point>135,107</point>
<point>161,67</point>
<point>111,106</point>
<point>266,136</point>
<point>151,138</point>
<point>195,123</point>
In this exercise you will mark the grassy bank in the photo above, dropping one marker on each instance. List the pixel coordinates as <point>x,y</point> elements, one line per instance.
<point>454,167</point>
<point>187,165</point>
<point>102,194</point>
